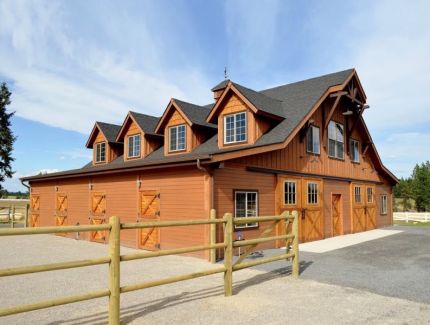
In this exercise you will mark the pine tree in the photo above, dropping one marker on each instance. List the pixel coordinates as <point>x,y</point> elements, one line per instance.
<point>6,136</point>
<point>421,186</point>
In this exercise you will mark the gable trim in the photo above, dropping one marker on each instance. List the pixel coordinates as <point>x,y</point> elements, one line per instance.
<point>93,135</point>
<point>123,128</point>
<point>163,118</point>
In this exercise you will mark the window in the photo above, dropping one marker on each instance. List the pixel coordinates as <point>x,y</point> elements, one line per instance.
<point>246,205</point>
<point>177,138</point>
<point>134,146</point>
<point>312,193</point>
<point>313,140</point>
<point>335,140</point>
<point>290,193</point>
<point>369,195</point>
<point>357,194</point>
<point>235,128</point>
<point>100,152</point>
<point>355,157</point>
<point>384,204</point>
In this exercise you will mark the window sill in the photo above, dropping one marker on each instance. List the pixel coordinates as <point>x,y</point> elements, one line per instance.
<point>246,228</point>
<point>234,143</point>
<point>313,153</point>
<point>335,158</point>
<point>355,162</point>
<point>177,151</point>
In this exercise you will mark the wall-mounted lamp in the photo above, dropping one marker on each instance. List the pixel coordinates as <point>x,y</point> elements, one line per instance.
<point>138,183</point>
<point>90,186</point>
<point>56,188</point>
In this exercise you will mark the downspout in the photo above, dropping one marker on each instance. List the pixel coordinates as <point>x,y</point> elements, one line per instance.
<point>27,186</point>
<point>212,183</point>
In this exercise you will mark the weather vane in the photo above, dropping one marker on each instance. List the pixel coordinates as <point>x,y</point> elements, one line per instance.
<point>225,72</point>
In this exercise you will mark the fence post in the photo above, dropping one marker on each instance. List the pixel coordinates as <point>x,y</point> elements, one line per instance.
<point>296,268</point>
<point>13,217</point>
<point>407,217</point>
<point>26,215</point>
<point>114,271</point>
<point>228,255</point>
<point>212,241</point>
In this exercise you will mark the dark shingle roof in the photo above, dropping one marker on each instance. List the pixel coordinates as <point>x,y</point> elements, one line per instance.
<point>261,101</point>
<point>221,85</point>
<point>146,122</point>
<point>109,130</point>
<point>292,102</point>
<point>196,114</point>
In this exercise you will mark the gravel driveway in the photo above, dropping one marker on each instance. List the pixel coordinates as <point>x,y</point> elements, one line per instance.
<point>260,296</point>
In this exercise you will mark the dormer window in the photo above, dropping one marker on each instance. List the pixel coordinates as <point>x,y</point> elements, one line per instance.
<point>235,128</point>
<point>100,152</point>
<point>134,146</point>
<point>177,138</point>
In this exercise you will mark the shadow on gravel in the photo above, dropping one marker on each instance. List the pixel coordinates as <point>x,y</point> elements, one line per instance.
<point>131,313</point>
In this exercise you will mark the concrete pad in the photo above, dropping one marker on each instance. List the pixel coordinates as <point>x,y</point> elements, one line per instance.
<point>331,244</point>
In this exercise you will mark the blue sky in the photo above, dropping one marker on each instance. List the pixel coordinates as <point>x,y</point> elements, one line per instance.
<point>70,63</point>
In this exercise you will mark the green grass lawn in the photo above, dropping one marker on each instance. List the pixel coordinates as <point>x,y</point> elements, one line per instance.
<point>412,223</point>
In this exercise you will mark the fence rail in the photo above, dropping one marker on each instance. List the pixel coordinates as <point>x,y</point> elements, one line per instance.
<point>412,216</point>
<point>114,258</point>
<point>14,211</point>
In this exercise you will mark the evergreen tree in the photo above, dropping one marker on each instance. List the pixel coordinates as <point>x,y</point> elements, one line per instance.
<point>6,136</point>
<point>421,186</point>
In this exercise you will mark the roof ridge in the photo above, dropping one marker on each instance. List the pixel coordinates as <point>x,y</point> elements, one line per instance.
<point>257,92</point>
<point>305,80</point>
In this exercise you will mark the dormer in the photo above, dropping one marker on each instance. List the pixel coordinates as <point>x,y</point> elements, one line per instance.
<point>138,136</point>
<point>104,144</point>
<point>184,127</point>
<point>242,114</point>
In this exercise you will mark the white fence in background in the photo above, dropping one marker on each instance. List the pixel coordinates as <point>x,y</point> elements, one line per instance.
<point>412,216</point>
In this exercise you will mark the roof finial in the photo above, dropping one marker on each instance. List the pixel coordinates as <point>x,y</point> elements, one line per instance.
<point>225,72</point>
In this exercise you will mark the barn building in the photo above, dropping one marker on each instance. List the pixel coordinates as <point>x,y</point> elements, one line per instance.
<point>302,146</point>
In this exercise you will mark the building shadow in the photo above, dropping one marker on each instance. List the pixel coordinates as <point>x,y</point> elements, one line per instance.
<point>140,310</point>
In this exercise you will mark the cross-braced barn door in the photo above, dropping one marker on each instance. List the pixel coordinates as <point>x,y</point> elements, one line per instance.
<point>336,214</point>
<point>97,215</point>
<point>149,210</point>
<point>363,207</point>
<point>34,210</point>
<point>311,221</point>
<point>61,203</point>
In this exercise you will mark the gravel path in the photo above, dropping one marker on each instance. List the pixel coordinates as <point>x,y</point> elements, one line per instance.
<point>259,296</point>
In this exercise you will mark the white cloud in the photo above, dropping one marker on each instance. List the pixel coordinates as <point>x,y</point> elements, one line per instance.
<point>70,82</point>
<point>251,30</point>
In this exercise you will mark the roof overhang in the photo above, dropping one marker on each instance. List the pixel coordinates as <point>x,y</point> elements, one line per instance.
<point>168,112</point>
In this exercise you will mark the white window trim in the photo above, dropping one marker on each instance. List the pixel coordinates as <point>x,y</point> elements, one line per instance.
<point>177,138</point>
<point>351,141</point>
<point>319,141</point>
<point>246,225</point>
<point>135,155</point>
<point>335,140</point>
<point>234,129</point>
<point>317,193</point>
<point>295,186</point>
<point>384,204</point>
<point>97,149</point>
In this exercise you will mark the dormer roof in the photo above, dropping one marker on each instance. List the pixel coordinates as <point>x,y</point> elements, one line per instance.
<point>146,123</point>
<point>110,132</point>
<point>194,115</point>
<point>258,102</point>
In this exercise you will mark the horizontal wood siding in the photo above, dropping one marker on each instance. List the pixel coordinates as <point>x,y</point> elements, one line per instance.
<point>227,180</point>
<point>184,194</point>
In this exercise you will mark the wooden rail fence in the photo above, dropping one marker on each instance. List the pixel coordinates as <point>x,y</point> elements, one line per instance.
<point>114,258</point>
<point>14,211</point>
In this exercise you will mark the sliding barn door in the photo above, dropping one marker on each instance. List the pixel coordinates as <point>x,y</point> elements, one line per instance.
<point>98,215</point>
<point>149,206</point>
<point>34,210</point>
